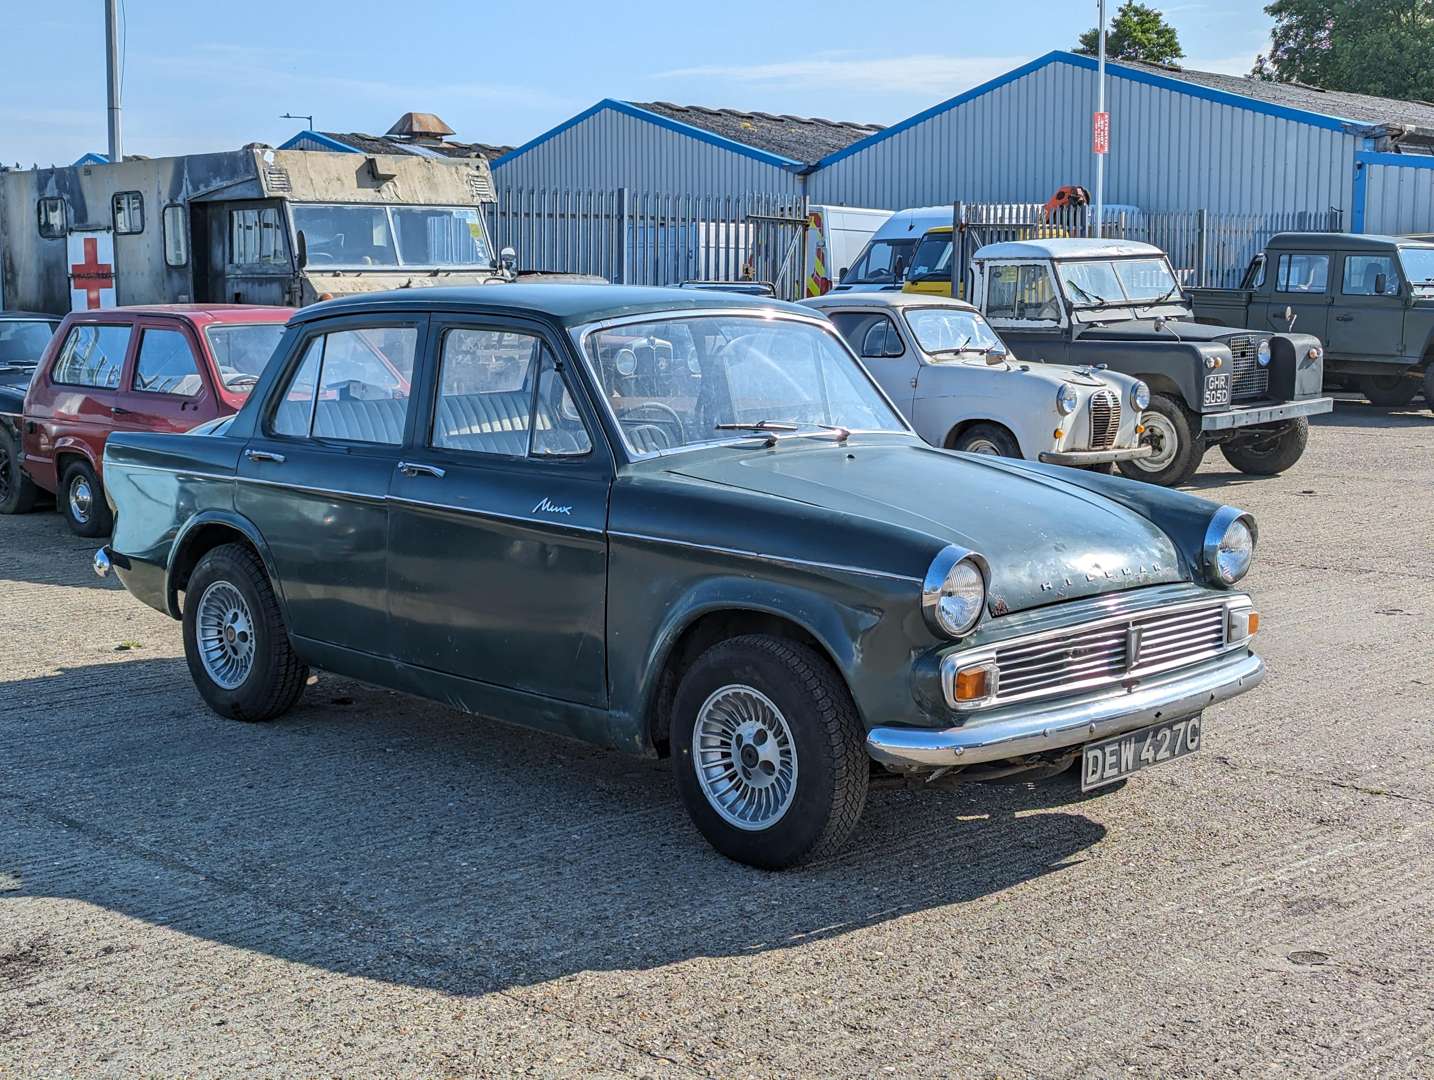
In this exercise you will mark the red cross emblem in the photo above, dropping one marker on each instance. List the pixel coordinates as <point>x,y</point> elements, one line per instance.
<point>92,275</point>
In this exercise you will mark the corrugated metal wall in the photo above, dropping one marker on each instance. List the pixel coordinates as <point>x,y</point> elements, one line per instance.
<point>1169,151</point>
<point>610,150</point>
<point>1399,198</point>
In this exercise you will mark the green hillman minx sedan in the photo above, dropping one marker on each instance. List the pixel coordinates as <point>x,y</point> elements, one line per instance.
<point>677,523</point>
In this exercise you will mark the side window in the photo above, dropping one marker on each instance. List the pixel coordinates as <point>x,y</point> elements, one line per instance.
<point>870,334</point>
<point>50,212</point>
<point>176,235</point>
<point>1021,293</point>
<point>500,393</point>
<point>128,210</point>
<point>92,355</point>
<point>352,386</point>
<point>1303,273</point>
<point>256,237</point>
<point>1370,275</point>
<point>166,364</point>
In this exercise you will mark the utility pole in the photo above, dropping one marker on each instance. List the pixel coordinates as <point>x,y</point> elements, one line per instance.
<point>1100,128</point>
<point>113,72</point>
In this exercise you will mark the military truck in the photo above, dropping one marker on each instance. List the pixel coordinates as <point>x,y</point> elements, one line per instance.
<point>1370,299</point>
<point>252,226</point>
<point>1118,304</point>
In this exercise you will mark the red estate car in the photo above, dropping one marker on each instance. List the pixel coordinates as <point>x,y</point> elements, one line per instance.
<point>162,368</point>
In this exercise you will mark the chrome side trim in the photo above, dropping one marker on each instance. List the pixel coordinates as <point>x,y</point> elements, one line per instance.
<point>801,564</point>
<point>544,522</point>
<point>1035,729</point>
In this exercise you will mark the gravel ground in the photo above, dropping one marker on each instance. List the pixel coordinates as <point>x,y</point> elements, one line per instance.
<point>376,886</point>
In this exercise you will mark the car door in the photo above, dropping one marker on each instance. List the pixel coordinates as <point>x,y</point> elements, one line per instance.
<point>498,548</point>
<point>1367,319</point>
<point>73,404</point>
<point>1023,302</point>
<point>165,389</point>
<point>1302,285</point>
<point>873,336</point>
<point>315,476</point>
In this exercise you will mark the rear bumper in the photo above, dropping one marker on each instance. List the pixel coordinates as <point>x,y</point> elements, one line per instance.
<point>1022,730</point>
<point>1247,415</point>
<point>1095,457</point>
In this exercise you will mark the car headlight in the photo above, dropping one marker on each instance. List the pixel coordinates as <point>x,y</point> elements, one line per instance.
<point>1140,396</point>
<point>1262,354</point>
<point>1066,399</point>
<point>1229,546</point>
<point>954,592</point>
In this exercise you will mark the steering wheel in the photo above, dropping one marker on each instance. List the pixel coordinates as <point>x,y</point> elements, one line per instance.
<point>234,382</point>
<point>671,413</point>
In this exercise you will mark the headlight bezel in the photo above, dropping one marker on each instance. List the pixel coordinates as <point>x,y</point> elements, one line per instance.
<point>1067,400</point>
<point>1262,353</point>
<point>933,588</point>
<point>1221,524</point>
<point>1140,396</point>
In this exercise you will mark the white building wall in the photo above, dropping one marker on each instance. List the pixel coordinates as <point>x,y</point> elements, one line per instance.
<point>1399,198</point>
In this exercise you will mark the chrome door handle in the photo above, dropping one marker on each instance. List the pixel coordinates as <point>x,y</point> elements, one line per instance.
<point>264,455</point>
<point>1344,318</point>
<point>413,468</point>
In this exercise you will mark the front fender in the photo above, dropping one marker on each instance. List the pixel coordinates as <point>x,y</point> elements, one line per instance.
<point>1164,365</point>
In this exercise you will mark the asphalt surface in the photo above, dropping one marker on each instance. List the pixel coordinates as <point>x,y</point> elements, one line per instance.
<point>376,886</point>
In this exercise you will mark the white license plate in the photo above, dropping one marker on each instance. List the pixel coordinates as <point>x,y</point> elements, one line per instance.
<point>1217,390</point>
<point>1113,759</point>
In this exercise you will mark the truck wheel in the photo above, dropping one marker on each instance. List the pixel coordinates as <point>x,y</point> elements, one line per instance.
<point>17,491</point>
<point>1389,390</point>
<point>82,501</point>
<point>1178,445</point>
<point>987,439</point>
<point>1272,455</point>
<point>768,752</point>
<point>235,641</point>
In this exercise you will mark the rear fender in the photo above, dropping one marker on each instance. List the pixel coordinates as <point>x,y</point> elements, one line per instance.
<point>196,534</point>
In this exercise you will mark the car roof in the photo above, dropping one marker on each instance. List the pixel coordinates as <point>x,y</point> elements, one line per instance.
<point>1323,241</point>
<point>28,315</point>
<point>1066,247</point>
<point>568,304</point>
<point>199,313</point>
<point>885,300</point>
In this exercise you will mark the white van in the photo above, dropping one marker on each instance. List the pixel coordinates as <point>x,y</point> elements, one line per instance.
<point>836,235</point>
<point>885,259</point>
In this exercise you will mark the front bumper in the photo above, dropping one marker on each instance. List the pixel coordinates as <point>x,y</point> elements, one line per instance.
<point>1095,457</point>
<point>1022,730</point>
<point>1247,415</point>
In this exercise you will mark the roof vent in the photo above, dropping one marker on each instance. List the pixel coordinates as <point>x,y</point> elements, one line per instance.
<point>420,127</point>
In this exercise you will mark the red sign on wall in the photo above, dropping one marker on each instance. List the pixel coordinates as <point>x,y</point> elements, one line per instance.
<point>1100,132</point>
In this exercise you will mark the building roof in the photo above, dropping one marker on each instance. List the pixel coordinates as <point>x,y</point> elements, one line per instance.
<point>357,142</point>
<point>799,138</point>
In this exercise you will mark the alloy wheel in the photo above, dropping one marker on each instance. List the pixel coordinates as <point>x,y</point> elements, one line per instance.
<point>745,757</point>
<point>224,631</point>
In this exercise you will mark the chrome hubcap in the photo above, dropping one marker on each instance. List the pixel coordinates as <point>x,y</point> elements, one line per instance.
<point>82,499</point>
<point>983,446</point>
<point>225,633</point>
<point>1160,434</point>
<point>745,758</point>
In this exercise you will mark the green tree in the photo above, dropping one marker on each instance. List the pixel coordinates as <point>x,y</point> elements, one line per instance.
<point>1137,32</point>
<point>1380,47</point>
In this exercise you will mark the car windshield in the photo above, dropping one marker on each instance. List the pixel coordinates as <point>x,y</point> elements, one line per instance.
<point>1418,266</point>
<point>884,262</point>
<point>242,351</point>
<point>950,331</point>
<point>683,382</point>
<point>359,236</point>
<point>1093,282</point>
<point>932,260</point>
<point>23,340</point>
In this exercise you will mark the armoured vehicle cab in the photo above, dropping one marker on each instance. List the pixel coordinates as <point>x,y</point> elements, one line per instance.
<point>253,226</point>
<point>1119,304</point>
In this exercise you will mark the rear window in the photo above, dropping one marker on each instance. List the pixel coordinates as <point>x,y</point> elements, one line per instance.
<point>23,342</point>
<point>242,352</point>
<point>92,356</point>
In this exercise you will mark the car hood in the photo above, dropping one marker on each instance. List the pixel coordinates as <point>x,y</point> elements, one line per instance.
<point>1055,374</point>
<point>1144,329</point>
<point>1045,540</point>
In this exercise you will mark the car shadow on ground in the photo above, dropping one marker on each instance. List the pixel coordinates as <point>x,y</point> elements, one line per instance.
<point>1354,411</point>
<point>373,834</point>
<point>44,530</point>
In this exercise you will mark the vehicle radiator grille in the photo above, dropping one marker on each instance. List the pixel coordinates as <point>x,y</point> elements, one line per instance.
<point>1104,419</point>
<point>1248,380</point>
<point>1109,652</point>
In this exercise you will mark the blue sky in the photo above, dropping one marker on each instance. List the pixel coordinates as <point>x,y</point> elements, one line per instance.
<point>196,80</point>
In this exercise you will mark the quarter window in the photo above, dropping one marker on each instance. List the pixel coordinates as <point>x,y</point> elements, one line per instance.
<point>1303,273</point>
<point>501,393</point>
<point>1364,274</point>
<point>871,334</point>
<point>166,364</point>
<point>92,356</point>
<point>128,208</point>
<point>51,214</point>
<point>351,386</point>
<point>1022,293</point>
<point>176,235</point>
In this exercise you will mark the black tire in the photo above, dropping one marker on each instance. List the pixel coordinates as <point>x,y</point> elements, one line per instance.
<point>1273,455</point>
<point>1391,391</point>
<point>1429,386</point>
<point>1104,468</point>
<point>276,676</point>
<point>82,501</point>
<point>831,768</point>
<point>1170,421</point>
<point>987,439</point>
<point>17,491</point>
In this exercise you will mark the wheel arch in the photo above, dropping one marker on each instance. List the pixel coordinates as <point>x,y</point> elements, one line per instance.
<point>201,535</point>
<point>959,429</point>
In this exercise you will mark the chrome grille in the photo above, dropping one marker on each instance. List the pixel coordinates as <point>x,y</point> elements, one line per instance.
<point>1104,419</point>
<point>1249,380</point>
<point>1108,651</point>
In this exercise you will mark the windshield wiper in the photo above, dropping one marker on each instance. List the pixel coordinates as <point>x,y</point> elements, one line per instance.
<point>1087,293</point>
<point>1156,303</point>
<point>771,429</point>
<point>760,425</point>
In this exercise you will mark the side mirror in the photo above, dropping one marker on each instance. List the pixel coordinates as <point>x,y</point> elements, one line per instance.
<point>997,354</point>
<point>1381,282</point>
<point>302,254</point>
<point>841,274</point>
<point>508,258</point>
